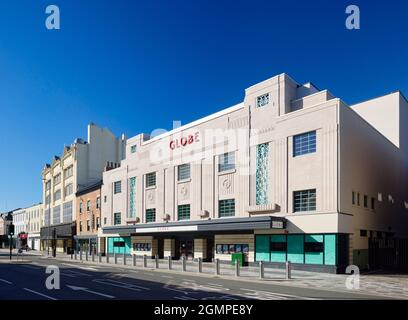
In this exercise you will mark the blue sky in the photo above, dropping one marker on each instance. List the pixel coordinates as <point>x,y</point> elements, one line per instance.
<point>135,66</point>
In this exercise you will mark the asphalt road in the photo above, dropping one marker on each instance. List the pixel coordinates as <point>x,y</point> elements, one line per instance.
<point>26,281</point>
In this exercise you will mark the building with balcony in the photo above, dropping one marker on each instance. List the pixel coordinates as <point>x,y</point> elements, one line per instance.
<point>292,173</point>
<point>80,165</point>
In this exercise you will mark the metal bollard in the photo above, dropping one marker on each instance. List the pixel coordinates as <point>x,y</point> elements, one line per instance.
<point>183,263</point>
<point>100,257</point>
<point>134,260</point>
<point>156,260</point>
<point>169,260</point>
<point>80,254</point>
<point>200,265</point>
<point>72,256</point>
<point>93,256</point>
<point>124,259</point>
<point>144,261</point>
<point>75,254</point>
<point>86,255</point>
<point>261,270</point>
<point>107,257</point>
<point>115,256</point>
<point>236,268</point>
<point>217,266</point>
<point>288,270</point>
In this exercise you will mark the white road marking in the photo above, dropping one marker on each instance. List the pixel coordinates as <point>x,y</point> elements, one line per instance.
<point>75,288</point>
<point>31,267</point>
<point>184,298</point>
<point>266,295</point>
<point>124,285</point>
<point>168,277</point>
<point>6,281</point>
<point>40,294</point>
<point>80,267</point>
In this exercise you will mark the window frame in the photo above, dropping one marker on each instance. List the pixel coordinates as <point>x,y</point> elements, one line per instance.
<point>302,147</point>
<point>149,182</point>
<point>225,204</point>
<point>179,172</point>
<point>226,166</point>
<point>305,197</point>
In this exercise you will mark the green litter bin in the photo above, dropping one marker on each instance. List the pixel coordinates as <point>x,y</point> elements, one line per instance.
<point>238,257</point>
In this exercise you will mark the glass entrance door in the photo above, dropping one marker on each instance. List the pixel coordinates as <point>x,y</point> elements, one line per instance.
<point>186,249</point>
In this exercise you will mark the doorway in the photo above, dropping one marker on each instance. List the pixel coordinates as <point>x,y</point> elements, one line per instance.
<point>186,249</point>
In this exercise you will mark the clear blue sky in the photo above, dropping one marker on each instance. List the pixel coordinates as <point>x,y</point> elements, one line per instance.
<point>134,66</point>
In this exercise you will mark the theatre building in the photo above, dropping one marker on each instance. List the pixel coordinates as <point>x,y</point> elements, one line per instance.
<point>292,173</point>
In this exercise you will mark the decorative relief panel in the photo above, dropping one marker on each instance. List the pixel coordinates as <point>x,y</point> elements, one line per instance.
<point>150,197</point>
<point>183,191</point>
<point>226,184</point>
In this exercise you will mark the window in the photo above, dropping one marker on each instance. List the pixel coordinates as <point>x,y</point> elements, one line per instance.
<point>183,172</point>
<point>358,198</point>
<point>314,247</point>
<point>57,195</point>
<point>365,201</point>
<point>88,225</point>
<point>48,185</point>
<point>80,226</point>
<point>226,208</point>
<point>133,149</point>
<point>80,207</point>
<point>183,212</point>
<point>151,179</point>
<point>98,222</point>
<point>132,198</point>
<point>105,198</point>
<point>88,205</point>
<point>68,171</point>
<point>117,187</point>
<point>48,200</point>
<point>304,143</point>
<point>68,190</point>
<point>104,221</point>
<point>304,200</point>
<point>231,248</point>
<point>67,211</point>
<point>57,179</point>
<point>262,100</point>
<point>373,203</point>
<point>117,218</point>
<point>226,161</point>
<point>353,197</point>
<point>151,215</point>
<point>363,233</point>
<point>262,151</point>
<point>98,202</point>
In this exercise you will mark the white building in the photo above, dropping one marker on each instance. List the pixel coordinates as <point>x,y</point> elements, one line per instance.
<point>80,165</point>
<point>34,220</point>
<point>20,227</point>
<point>292,173</point>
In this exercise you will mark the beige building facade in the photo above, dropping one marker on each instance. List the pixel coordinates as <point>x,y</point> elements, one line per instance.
<point>290,174</point>
<point>80,165</point>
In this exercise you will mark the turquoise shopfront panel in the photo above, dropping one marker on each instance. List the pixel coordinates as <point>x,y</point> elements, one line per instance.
<point>262,248</point>
<point>119,245</point>
<point>278,248</point>
<point>330,252</point>
<point>295,248</point>
<point>314,255</point>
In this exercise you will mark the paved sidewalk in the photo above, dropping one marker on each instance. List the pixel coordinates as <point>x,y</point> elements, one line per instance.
<point>393,286</point>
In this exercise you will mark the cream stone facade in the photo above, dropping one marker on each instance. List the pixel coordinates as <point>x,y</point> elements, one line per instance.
<point>275,178</point>
<point>34,220</point>
<point>80,165</point>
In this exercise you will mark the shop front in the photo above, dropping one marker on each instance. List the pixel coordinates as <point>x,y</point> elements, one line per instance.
<point>205,239</point>
<point>58,238</point>
<point>320,252</point>
<point>86,243</point>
